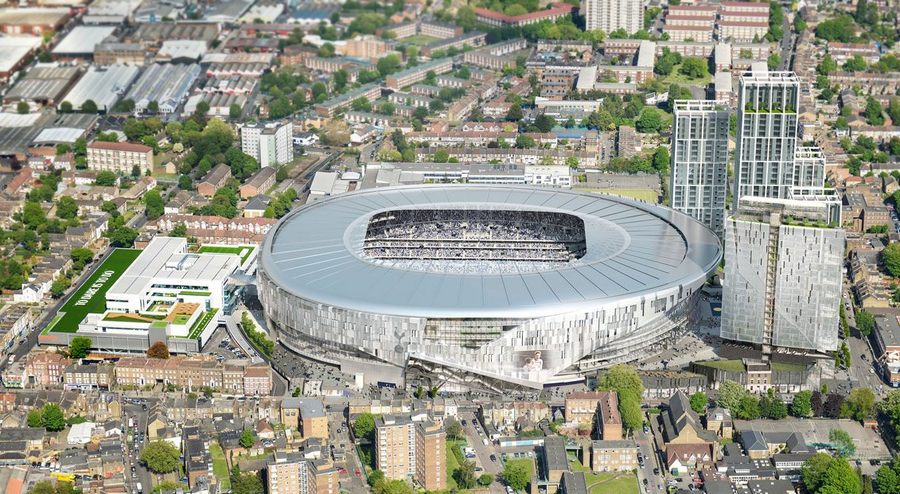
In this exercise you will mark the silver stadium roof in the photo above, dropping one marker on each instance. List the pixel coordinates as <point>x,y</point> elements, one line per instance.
<point>633,249</point>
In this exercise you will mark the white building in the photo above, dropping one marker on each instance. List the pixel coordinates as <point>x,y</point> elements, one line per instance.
<point>699,162</point>
<point>168,293</point>
<point>768,105</point>
<point>270,143</point>
<point>610,15</point>
<point>783,260</point>
<point>552,175</point>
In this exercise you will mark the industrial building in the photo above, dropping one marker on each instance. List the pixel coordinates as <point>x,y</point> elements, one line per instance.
<point>167,84</point>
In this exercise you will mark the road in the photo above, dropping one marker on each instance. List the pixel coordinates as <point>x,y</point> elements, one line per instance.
<point>311,171</point>
<point>647,450</point>
<point>786,46</point>
<point>141,474</point>
<point>279,384</point>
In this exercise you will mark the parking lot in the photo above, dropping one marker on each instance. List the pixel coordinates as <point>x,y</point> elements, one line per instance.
<point>869,444</point>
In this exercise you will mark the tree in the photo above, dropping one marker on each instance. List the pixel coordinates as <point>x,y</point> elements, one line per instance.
<point>234,111</point>
<point>154,207</point>
<point>247,439</point>
<point>865,321</point>
<point>161,457</point>
<point>185,182</point>
<point>388,65</point>
<point>624,380</point>
<point>855,63</point>
<point>525,142</point>
<point>515,475</point>
<point>544,123</point>
<point>52,417</point>
<point>694,68</point>
<point>840,28</point>
<point>747,408</point>
<point>485,480</point>
<point>22,107</point>
<point>454,430</point>
<point>59,286</point>
<point>802,404</point>
<point>827,65</point>
<point>361,104</point>
<point>396,487</point>
<point>158,350</point>
<point>245,483</point>
<point>773,61</point>
<point>106,178</point>
<point>772,408</point>
<point>890,256</point>
<point>441,156</point>
<point>730,394</point>
<point>34,418</point>
<point>65,107</point>
<point>886,480</point>
<point>364,426</point>
<point>661,160</point>
<point>834,403</point>
<point>79,346</point>
<point>465,476</point>
<point>842,441</point>
<point>649,121</point>
<point>699,401</point>
<point>514,114</point>
<point>874,112</point>
<point>861,404</point>
<point>66,208</point>
<point>89,106</point>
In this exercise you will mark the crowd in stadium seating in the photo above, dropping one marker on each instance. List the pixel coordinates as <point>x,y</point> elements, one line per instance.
<point>478,237</point>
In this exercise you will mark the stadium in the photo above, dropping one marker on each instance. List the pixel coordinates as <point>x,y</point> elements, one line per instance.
<point>482,286</point>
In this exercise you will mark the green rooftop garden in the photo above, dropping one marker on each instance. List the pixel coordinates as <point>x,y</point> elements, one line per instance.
<point>200,324</point>
<point>726,365</point>
<point>196,293</point>
<point>239,250</point>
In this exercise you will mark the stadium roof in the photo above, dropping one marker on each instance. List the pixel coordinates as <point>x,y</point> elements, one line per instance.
<point>633,249</point>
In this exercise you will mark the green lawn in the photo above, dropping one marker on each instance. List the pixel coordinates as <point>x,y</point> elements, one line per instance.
<point>726,365</point>
<point>72,313</point>
<point>220,466</point>
<point>225,249</point>
<point>678,78</point>
<point>612,483</point>
<point>452,462</point>
<point>418,39</point>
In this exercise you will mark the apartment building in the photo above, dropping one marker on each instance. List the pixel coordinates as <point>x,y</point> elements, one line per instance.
<point>259,183</point>
<point>584,408</point>
<point>611,15</point>
<point>767,121</point>
<point>614,456</point>
<point>439,29</point>
<point>418,73</point>
<point>306,416</point>
<point>498,19</point>
<point>405,449</point>
<point>784,287</point>
<point>214,180</point>
<point>431,456</point>
<point>45,369</point>
<point>119,157</point>
<point>370,91</point>
<point>699,162</point>
<point>294,473</point>
<point>270,143</point>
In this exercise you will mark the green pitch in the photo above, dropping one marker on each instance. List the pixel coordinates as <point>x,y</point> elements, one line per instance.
<point>90,298</point>
<point>225,249</point>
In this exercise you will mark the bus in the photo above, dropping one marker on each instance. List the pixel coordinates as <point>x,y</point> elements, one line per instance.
<point>63,477</point>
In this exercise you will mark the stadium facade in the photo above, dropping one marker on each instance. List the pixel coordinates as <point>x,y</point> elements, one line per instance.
<point>482,286</point>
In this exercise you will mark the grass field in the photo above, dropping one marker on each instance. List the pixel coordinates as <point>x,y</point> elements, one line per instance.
<point>103,278</point>
<point>648,195</point>
<point>418,39</point>
<point>612,483</point>
<point>220,466</point>
<point>225,249</point>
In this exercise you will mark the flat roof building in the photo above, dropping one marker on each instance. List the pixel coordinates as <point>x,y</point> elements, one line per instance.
<point>102,85</point>
<point>167,84</point>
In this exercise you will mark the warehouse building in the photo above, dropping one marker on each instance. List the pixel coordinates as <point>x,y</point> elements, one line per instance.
<point>167,84</point>
<point>102,85</point>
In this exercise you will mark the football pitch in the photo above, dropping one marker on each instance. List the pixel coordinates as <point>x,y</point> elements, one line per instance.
<point>90,298</point>
<point>225,249</point>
